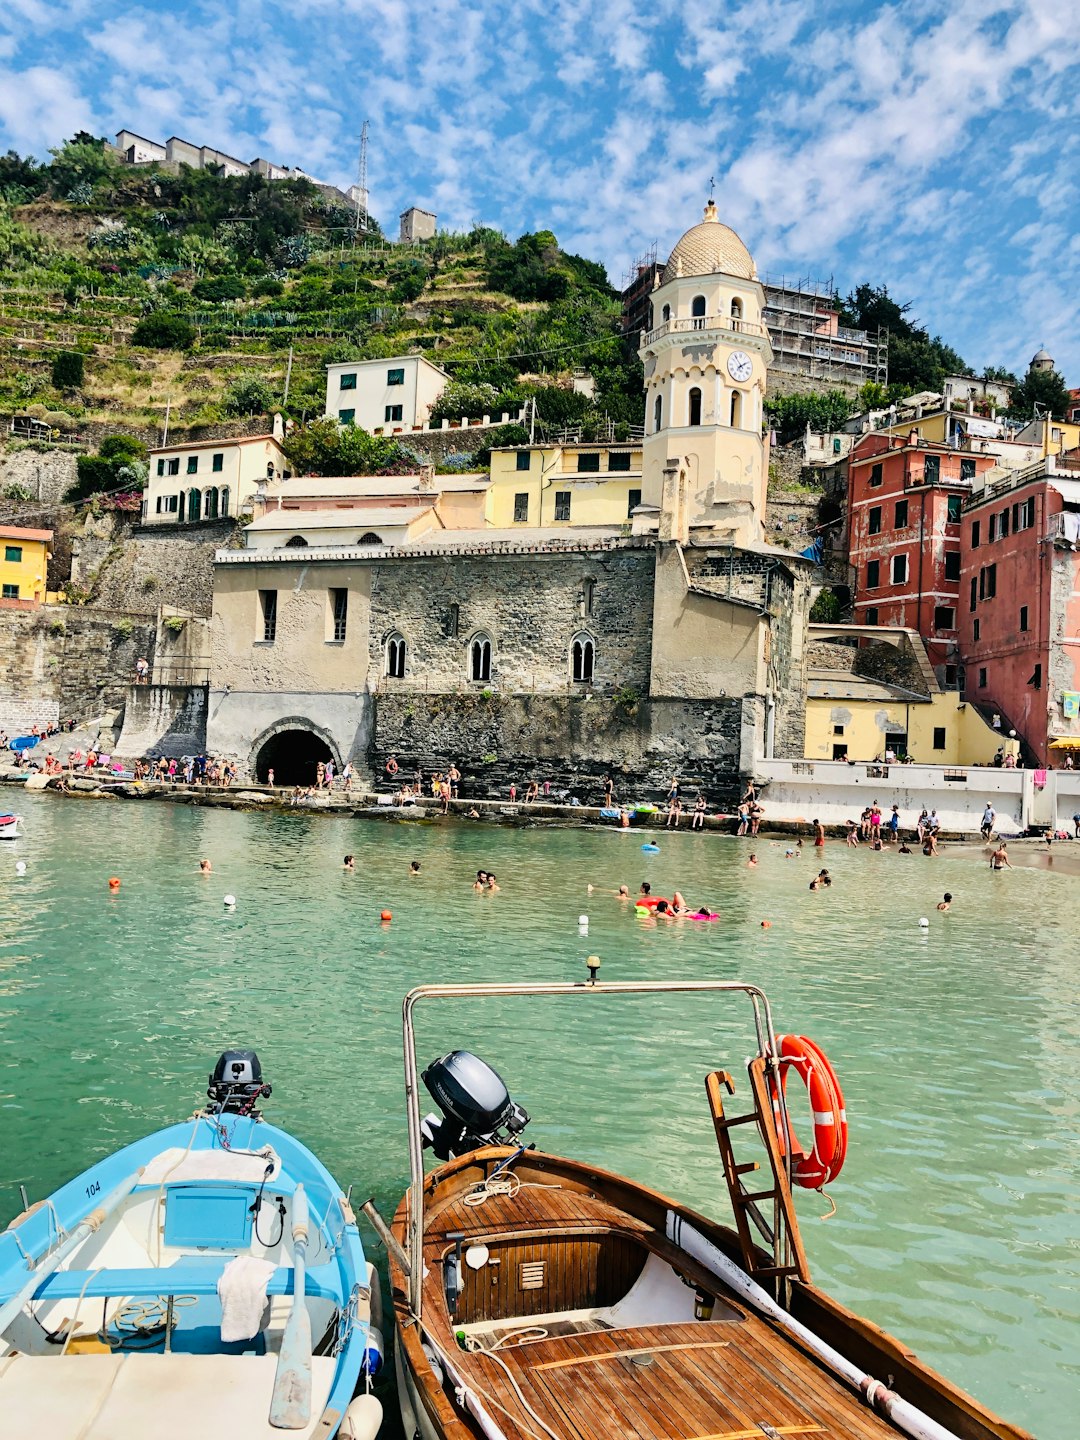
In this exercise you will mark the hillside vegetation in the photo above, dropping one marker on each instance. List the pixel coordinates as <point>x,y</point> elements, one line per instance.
<point>190,288</point>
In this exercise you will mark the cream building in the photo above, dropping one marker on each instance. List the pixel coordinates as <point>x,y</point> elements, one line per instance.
<point>208,479</point>
<point>572,484</point>
<point>383,395</point>
<point>706,357</point>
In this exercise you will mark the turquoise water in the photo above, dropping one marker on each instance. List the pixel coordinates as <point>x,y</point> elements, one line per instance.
<point>958,1046</point>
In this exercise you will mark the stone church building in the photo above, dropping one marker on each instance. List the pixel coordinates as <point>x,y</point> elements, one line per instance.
<point>673,644</point>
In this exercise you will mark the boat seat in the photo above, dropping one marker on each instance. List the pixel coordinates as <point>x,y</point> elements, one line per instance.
<point>171,1397</point>
<point>193,1275</point>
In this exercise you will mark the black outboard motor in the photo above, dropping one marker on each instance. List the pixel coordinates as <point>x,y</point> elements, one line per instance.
<point>476,1106</point>
<point>236,1084</point>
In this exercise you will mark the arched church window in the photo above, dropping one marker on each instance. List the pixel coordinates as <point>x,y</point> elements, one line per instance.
<point>658,412</point>
<point>480,658</point>
<point>666,313</point>
<point>697,311</point>
<point>736,409</point>
<point>694,417</point>
<point>582,658</point>
<point>395,657</point>
<point>296,542</point>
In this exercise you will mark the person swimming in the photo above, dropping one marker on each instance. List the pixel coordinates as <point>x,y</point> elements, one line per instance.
<point>751,862</point>
<point>348,863</point>
<point>480,883</point>
<point>623,892</point>
<point>414,867</point>
<point>205,867</point>
<point>492,883</point>
<point>646,889</point>
<point>678,904</point>
<point>945,901</point>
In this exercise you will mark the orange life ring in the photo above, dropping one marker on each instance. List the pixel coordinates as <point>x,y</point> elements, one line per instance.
<point>391,766</point>
<point>823,1163</point>
<point>650,901</point>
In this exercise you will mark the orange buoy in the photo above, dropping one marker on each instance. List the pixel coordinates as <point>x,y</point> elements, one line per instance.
<point>114,882</point>
<point>825,1160</point>
<point>386,915</point>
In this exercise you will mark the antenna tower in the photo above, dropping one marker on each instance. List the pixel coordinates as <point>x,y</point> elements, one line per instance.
<point>360,223</point>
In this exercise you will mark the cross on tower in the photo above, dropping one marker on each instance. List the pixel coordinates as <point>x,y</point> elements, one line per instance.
<point>712,186</point>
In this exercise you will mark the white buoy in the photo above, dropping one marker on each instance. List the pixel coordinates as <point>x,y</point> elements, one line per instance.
<point>583,919</point>
<point>230,902</point>
<point>20,867</point>
<point>924,924</point>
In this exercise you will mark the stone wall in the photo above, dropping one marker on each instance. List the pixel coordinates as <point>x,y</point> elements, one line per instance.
<point>571,742</point>
<point>530,606</point>
<point>785,382</point>
<point>83,660</point>
<point>46,475</point>
<point>165,720</point>
<point>138,568</point>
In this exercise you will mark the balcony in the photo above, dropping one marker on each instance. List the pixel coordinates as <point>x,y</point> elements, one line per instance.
<point>729,324</point>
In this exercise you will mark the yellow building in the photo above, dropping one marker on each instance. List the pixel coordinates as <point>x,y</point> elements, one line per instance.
<point>24,555</point>
<point>573,484</point>
<point>850,717</point>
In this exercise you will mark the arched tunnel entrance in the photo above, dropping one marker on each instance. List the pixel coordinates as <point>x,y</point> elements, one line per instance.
<point>293,755</point>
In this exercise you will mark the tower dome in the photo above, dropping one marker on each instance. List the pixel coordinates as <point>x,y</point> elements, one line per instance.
<point>1042,360</point>
<point>709,248</point>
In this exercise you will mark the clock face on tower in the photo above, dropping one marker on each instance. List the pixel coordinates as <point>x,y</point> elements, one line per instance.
<point>740,366</point>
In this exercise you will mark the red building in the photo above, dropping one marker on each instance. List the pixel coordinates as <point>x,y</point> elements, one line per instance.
<point>1020,601</point>
<point>905,497</point>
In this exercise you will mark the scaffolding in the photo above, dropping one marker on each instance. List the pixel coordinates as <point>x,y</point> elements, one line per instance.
<point>638,284</point>
<point>807,338</point>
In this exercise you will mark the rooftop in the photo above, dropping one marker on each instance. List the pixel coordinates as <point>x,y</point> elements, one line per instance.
<point>16,532</point>
<point>318,486</point>
<point>333,519</point>
<point>214,444</point>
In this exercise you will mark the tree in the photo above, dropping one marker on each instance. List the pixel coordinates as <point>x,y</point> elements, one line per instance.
<point>465,399</point>
<point>220,287</point>
<point>164,330</point>
<point>915,359</point>
<point>498,437</point>
<point>1041,392</point>
<point>822,411</point>
<point>119,464</point>
<point>68,370</point>
<point>81,160</point>
<point>999,373</point>
<point>248,396</point>
<point>826,609</point>
<point>324,448</point>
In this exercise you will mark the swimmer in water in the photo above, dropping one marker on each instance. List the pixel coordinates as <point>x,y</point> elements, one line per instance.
<point>678,904</point>
<point>492,884</point>
<point>751,862</point>
<point>945,901</point>
<point>999,860</point>
<point>348,863</point>
<point>646,889</point>
<point>414,867</point>
<point>623,892</point>
<point>905,848</point>
<point>205,867</point>
<point>480,883</point>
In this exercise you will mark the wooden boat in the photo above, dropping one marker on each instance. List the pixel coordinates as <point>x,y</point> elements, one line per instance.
<point>129,1307</point>
<point>541,1298</point>
<point>9,826</point>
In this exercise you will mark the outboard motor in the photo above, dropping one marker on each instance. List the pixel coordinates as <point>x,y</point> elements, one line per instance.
<point>236,1084</point>
<point>476,1106</point>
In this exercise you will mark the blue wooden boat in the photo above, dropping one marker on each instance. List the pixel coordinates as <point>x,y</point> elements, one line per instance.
<point>208,1280</point>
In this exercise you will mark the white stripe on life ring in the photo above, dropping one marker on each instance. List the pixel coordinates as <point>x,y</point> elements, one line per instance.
<point>824,1117</point>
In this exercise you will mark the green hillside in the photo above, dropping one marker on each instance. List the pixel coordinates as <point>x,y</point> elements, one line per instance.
<point>189,290</point>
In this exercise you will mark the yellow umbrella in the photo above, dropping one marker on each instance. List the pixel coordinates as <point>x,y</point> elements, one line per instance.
<point>1066,742</point>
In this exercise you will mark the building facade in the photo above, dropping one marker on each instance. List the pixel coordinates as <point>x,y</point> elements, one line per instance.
<point>571,484</point>
<point>383,395</point>
<point>808,339</point>
<point>1020,602</point>
<point>415,224</point>
<point>24,559</point>
<point>905,497</point>
<point>208,479</point>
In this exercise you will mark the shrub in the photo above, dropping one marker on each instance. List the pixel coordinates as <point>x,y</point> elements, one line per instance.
<point>164,330</point>
<point>221,287</point>
<point>175,623</point>
<point>497,437</point>
<point>269,286</point>
<point>68,370</point>
<point>124,627</point>
<point>248,396</point>
<point>826,609</point>
<point>15,491</point>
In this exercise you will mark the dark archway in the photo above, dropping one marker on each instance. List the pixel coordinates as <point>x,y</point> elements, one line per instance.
<point>294,757</point>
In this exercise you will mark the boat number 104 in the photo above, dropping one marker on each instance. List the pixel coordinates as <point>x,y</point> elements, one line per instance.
<point>94,1188</point>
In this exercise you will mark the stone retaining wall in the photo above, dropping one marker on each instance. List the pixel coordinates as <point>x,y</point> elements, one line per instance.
<point>81,660</point>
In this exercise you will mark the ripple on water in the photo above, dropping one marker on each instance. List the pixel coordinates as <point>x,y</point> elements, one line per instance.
<point>958,1046</point>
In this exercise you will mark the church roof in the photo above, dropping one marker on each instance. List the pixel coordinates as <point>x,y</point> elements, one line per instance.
<point>709,248</point>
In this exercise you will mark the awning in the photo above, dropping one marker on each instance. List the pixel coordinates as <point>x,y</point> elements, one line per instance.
<point>1066,742</point>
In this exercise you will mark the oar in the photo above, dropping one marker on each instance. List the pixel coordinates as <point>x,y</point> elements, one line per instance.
<point>86,1227</point>
<point>290,1407</point>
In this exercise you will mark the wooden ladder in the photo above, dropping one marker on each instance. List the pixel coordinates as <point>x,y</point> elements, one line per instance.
<point>780,1234</point>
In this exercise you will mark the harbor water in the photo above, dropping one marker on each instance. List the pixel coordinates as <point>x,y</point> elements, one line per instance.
<point>958,1043</point>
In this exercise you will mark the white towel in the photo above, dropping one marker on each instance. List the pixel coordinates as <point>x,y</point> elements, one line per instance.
<point>242,1290</point>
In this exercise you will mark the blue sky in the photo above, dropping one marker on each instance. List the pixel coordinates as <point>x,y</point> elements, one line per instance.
<point>931,148</point>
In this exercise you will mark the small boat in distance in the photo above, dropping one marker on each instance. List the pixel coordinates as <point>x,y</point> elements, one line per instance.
<point>9,826</point>
<point>542,1298</point>
<point>207,1281</point>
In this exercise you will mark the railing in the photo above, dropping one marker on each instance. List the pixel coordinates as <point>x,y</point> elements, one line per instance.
<point>731,323</point>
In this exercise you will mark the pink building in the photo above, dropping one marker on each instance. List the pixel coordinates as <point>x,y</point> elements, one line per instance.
<point>1019,621</point>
